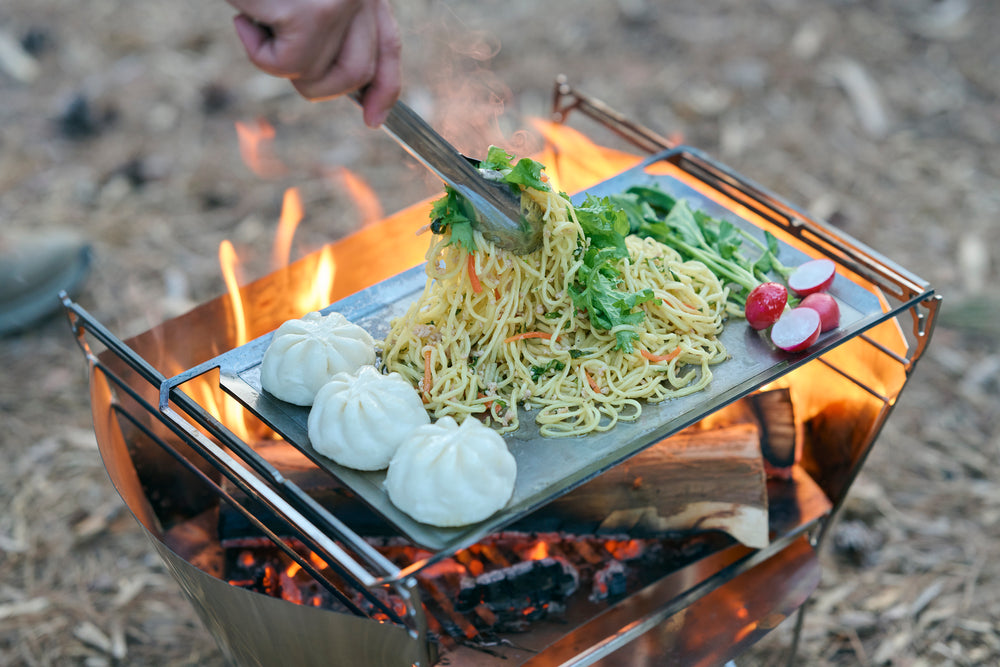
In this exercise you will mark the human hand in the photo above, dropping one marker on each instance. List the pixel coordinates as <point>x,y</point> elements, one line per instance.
<point>326,48</point>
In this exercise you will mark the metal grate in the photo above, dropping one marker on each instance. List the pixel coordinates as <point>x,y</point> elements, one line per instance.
<point>900,295</point>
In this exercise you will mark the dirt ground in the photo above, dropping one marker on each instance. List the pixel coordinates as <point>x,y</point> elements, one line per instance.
<point>117,119</point>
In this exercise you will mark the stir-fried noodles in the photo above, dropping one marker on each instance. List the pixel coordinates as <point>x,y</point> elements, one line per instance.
<point>576,335</point>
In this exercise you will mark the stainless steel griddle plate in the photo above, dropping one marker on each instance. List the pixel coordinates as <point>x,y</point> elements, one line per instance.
<point>547,467</point>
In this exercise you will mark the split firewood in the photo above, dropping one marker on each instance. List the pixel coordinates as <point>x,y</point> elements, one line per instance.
<point>775,417</point>
<point>693,481</point>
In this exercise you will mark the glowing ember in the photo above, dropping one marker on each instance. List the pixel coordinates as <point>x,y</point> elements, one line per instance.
<point>317,562</point>
<point>538,552</point>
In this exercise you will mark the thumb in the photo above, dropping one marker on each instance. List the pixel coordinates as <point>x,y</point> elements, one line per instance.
<point>258,40</point>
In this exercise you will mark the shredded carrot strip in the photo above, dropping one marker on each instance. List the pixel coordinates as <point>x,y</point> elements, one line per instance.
<point>427,375</point>
<point>487,404</point>
<point>592,382</point>
<point>473,278</point>
<point>657,358</point>
<point>496,293</point>
<point>528,334</point>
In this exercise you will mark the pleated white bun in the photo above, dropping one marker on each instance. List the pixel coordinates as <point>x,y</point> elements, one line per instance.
<point>304,354</point>
<point>450,475</point>
<point>360,419</point>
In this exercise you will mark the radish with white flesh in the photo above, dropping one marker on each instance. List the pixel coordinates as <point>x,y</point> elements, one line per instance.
<point>796,330</point>
<point>813,276</point>
<point>765,304</point>
<point>826,306</point>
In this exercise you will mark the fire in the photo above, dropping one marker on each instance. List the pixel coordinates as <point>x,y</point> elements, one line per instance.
<point>361,194</point>
<point>539,551</point>
<point>288,222</point>
<point>225,408</point>
<point>625,550</point>
<point>257,148</point>
<point>230,264</point>
<point>574,162</point>
<point>320,293</point>
<point>317,562</point>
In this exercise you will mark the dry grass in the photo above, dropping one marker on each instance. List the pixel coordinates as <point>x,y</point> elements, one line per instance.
<point>880,117</point>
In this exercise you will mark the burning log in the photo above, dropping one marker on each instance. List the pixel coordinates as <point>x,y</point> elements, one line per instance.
<point>778,437</point>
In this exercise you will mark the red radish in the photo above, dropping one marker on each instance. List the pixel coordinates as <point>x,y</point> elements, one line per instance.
<point>765,304</point>
<point>816,275</point>
<point>796,330</point>
<point>826,306</point>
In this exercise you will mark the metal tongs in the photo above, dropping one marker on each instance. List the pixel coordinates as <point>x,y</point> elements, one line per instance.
<point>502,219</point>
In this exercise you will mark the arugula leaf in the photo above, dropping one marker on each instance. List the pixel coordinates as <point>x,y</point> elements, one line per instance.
<point>636,209</point>
<point>497,159</point>
<point>604,224</point>
<point>526,172</point>
<point>454,212</point>
<point>654,197</point>
<point>681,221</point>
<point>539,371</point>
<point>727,238</point>
<point>596,291</point>
<point>461,233</point>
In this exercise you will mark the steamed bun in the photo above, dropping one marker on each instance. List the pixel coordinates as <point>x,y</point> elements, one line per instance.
<point>360,419</point>
<point>450,475</point>
<point>305,353</point>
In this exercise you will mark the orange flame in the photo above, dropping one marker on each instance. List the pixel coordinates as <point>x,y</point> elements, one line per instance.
<point>320,293</point>
<point>538,552</point>
<point>257,149</point>
<point>574,162</point>
<point>230,265</point>
<point>291,216</point>
<point>317,562</point>
<point>364,198</point>
<point>224,407</point>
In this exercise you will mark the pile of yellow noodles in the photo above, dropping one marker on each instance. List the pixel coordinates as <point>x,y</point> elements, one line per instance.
<point>485,319</point>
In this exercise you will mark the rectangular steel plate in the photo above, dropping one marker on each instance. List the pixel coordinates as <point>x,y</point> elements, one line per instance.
<point>547,467</point>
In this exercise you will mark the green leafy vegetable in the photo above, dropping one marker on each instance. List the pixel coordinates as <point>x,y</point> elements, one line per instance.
<point>596,291</point>
<point>604,223</point>
<point>696,235</point>
<point>526,172</point>
<point>454,212</point>
<point>553,365</point>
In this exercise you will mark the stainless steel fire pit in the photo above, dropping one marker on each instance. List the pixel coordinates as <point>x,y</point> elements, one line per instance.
<point>181,467</point>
